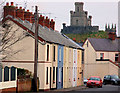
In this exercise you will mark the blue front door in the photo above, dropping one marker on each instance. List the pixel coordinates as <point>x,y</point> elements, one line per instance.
<point>60,68</point>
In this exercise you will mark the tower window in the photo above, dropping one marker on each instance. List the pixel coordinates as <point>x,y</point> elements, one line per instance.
<point>76,22</point>
<point>77,9</point>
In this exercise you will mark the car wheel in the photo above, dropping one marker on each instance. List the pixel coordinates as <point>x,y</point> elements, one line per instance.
<point>112,83</point>
<point>104,83</point>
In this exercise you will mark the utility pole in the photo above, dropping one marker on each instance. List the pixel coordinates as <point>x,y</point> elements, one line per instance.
<point>36,48</point>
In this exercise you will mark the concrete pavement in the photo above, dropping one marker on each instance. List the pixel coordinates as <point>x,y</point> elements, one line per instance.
<point>69,89</point>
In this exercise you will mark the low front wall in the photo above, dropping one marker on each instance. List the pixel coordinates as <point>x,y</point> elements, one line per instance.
<point>8,86</point>
<point>24,85</point>
<point>100,69</point>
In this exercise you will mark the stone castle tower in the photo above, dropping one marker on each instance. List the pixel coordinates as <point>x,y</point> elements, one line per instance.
<point>79,16</point>
<point>80,22</point>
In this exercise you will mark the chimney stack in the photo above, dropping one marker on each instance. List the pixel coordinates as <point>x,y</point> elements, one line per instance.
<point>52,24</point>
<point>111,32</point>
<point>112,35</point>
<point>20,13</point>
<point>47,22</point>
<point>41,20</point>
<point>10,10</point>
<point>28,16</point>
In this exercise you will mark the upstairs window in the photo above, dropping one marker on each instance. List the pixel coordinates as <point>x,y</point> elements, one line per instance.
<point>53,53</point>
<point>101,56</point>
<point>87,44</point>
<point>82,57</point>
<point>47,52</point>
<point>116,57</point>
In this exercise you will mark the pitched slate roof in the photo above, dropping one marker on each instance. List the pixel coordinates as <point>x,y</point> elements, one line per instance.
<point>105,44</point>
<point>50,35</point>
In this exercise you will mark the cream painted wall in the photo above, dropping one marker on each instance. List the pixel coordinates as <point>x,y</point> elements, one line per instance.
<point>90,54</point>
<point>107,55</point>
<point>26,54</point>
<point>66,67</point>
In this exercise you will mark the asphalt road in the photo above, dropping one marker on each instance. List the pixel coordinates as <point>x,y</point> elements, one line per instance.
<point>104,89</point>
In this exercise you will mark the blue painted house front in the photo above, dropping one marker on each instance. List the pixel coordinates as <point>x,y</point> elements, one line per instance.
<point>60,67</point>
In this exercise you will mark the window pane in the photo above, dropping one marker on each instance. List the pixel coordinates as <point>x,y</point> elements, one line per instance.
<point>47,52</point>
<point>53,74</point>
<point>0,73</point>
<point>54,53</point>
<point>6,73</point>
<point>13,73</point>
<point>47,75</point>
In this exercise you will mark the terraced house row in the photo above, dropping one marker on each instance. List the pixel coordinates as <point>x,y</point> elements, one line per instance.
<point>60,60</point>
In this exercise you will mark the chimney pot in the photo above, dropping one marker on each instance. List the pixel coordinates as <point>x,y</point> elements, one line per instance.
<point>20,7</point>
<point>27,10</point>
<point>40,15</point>
<point>16,7</point>
<point>7,4</point>
<point>46,17</point>
<point>90,17</point>
<point>12,3</point>
<point>52,20</point>
<point>24,9</point>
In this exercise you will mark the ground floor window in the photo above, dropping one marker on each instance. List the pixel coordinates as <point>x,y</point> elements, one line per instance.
<point>53,74</point>
<point>47,75</point>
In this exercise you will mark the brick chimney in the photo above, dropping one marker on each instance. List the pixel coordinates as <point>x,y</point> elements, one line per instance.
<point>47,22</point>
<point>41,20</point>
<point>112,35</point>
<point>10,10</point>
<point>28,16</point>
<point>20,13</point>
<point>52,24</point>
<point>32,17</point>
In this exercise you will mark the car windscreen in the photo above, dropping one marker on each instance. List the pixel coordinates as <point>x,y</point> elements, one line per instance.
<point>94,78</point>
<point>114,77</point>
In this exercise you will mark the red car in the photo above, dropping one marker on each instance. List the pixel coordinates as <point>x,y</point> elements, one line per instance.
<point>94,81</point>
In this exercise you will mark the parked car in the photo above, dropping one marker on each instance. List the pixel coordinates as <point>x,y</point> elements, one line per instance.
<point>111,79</point>
<point>85,81</point>
<point>94,81</point>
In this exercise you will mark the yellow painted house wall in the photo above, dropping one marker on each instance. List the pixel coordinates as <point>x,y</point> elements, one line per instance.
<point>54,63</point>
<point>79,67</point>
<point>65,67</point>
<point>70,67</point>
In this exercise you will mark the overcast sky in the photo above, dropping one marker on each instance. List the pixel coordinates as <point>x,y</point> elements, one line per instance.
<point>102,11</point>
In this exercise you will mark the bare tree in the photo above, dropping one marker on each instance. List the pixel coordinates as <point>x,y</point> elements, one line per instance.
<point>9,37</point>
<point>2,3</point>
